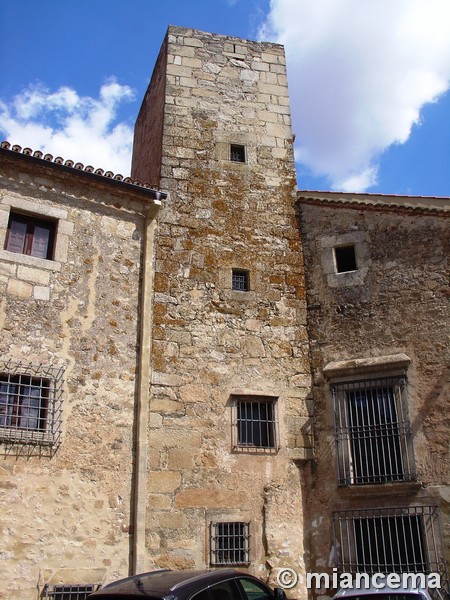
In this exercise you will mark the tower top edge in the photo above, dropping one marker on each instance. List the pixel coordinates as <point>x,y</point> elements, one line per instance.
<point>176,30</point>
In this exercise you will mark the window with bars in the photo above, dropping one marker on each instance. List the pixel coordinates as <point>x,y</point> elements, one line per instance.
<point>30,403</point>
<point>255,423</point>
<point>237,153</point>
<point>230,543</point>
<point>70,592</point>
<point>390,540</point>
<point>240,280</point>
<point>373,432</point>
<point>30,235</point>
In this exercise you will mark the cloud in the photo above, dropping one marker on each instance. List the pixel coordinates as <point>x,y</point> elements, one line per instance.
<point>63,123</point>
<point>359,74</point>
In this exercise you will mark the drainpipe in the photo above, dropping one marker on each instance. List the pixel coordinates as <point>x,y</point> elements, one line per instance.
<point>138,554</point>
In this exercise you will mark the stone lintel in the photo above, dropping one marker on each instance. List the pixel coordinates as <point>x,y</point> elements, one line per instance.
<point>358,366</point>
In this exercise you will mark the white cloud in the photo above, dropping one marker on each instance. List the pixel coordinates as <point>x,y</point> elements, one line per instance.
<point>359,72</point>
<point>65,124</point>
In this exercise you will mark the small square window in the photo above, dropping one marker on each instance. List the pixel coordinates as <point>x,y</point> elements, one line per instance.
<point>70,592</point>
<point>30,404</point>
<point>345,259</point>
<point>230,543</point>
<point>255,423</point>
<point>237,153</point>
<point>31,236</point>
<point>240,280</point>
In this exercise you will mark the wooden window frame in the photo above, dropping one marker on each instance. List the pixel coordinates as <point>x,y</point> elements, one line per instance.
<point>27,239</point>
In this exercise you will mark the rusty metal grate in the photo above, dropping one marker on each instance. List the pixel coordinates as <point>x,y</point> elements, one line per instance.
<point>237,153</point>
<point>373,432</point>
<point>70,592</point>
<point>240,280</point>
<point>230,543</point>
<point>255,424</point>
<point>390,540</point>
<point>30,403</point>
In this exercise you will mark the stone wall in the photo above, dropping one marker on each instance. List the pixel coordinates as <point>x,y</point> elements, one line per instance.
<point>158,348</point>
<point>393,305</point>
<point>65,514</point>
<point>210,342</point>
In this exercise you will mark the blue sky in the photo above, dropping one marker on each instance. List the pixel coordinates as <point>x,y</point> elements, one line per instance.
<point>368,81</point>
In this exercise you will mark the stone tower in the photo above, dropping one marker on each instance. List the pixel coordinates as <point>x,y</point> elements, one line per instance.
<point>229,429</point>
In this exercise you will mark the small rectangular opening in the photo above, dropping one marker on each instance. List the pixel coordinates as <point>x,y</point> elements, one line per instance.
<point>70,592</point>
<point>230,543</point>
<point>237,153</point>
<point>240,280</point>
<point>345,259</point>
<point>254,423</point>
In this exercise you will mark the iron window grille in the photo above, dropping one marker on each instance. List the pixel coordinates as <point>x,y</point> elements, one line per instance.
<point>255,424</point>
<point>30,403</point>
<point>373,432</point>
<point>70,592</point>
<point>240,280</point>
<point>31,236</point>
<point>237,153</point>
<point>230,543</point>
<point>392,540</point>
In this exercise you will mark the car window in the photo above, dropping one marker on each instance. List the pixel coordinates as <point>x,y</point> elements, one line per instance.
<point>254,590</point>
<point>225,590</point>
<point>203,595</point>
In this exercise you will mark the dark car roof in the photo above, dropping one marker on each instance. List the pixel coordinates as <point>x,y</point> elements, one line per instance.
<point>165,582</point>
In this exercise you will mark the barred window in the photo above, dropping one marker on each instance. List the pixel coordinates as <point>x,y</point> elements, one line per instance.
<point>392,540</point>
<point>70,592</point>
<point>237,153</point>
<point>373,432</point>
<point>240,280</point>
<point>255,423</point>
<point>30,235</point>
<point>230,543</point>
<point>30,403</point>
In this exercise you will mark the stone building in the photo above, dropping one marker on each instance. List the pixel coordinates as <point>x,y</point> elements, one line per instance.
<point>73,282</point>
<point>159,383</point>
<point>230,371</point>
<point>377,279</point>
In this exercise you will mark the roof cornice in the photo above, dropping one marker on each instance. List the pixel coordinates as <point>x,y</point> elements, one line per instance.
<point>425,204</point>
<point>79,169</point>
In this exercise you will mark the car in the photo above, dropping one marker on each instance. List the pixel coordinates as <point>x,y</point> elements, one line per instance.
<point>384,593</point>
<point>211,584</point>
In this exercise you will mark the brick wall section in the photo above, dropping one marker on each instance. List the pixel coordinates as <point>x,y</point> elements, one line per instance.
<point>396,303</point>
<point>210,341</point>
<point>66,517</point>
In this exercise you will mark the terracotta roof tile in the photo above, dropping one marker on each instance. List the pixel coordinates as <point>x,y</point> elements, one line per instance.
<point>77,165</point>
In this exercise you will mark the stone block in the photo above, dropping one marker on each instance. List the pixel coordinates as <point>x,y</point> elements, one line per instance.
<point>41,293</point>
<point>194,393</point>
<point>33,275</point>
<point>21,289</point>
<point>159,501</point>
<point>180,458</point>
<point>163,482</point>
<point>171,520</point>
<point>179,70</point>
<point>209,498</point>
